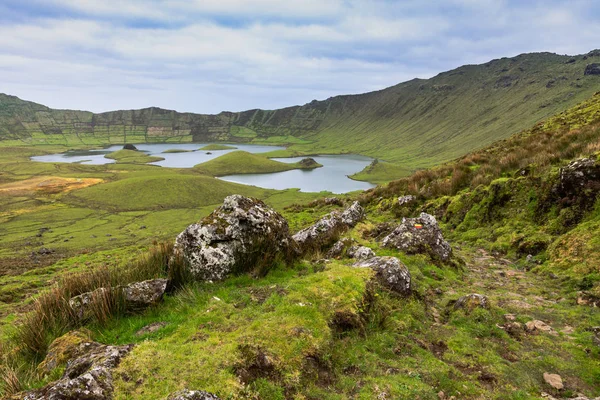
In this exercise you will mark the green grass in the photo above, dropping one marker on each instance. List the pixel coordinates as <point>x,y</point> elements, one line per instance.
<point>216,146</point>
<point>242,162</point>
<point>132,157</point>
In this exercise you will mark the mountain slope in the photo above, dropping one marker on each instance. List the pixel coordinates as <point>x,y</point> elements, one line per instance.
<point>417,123</point>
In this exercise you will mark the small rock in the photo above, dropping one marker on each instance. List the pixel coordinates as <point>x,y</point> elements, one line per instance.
<point>509,317</point>
<point>390,272</point>
<point>472,301</point>
<point>340,248</point>
<point>405,200</point>
<point>334,201</point>
<point>419,235</point>
<point>151,328</point>
<point>192,395</point>
<point>537,325</point>
<point>360,252</point>
<point>553,380</point>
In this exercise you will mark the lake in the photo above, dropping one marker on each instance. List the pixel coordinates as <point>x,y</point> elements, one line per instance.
<point>331,177</point>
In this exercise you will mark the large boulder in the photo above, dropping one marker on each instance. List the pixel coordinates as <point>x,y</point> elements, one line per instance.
<point>328,229</point>
<point>135,296</point>
<point>87,376</point>
<point>579,176</point>
<point>390,272</point>
<point>187,394</point>
<point>592,69</point>
<point>242,235</point>
<point>419,235</point>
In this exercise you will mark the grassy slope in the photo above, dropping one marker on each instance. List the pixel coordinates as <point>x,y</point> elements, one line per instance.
<point>242,162</point>
<point>414,124</point>
<point>381,172</point>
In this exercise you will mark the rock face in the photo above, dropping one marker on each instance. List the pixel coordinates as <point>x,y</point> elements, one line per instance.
<point>326,230</point>
<point>136,296</point>
<point>472,301</point>
<point>242,235</point>
<point>578,174</point>
<point>592,69</point>
<point>390,272</point>
<point>192,395</point>
<point>419,235</point>
<point>87,376</point>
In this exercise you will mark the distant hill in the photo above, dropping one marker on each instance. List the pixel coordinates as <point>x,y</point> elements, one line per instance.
<point>415,124</point>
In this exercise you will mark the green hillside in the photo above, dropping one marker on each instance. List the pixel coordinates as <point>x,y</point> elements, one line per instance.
<point>414,124</point>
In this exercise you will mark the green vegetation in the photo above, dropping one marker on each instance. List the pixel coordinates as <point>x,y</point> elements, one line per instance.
<point>415,124</point>
<point>216,146</point>
<point>381,172</point>
<point>132,157</point>
<point>242,162</point>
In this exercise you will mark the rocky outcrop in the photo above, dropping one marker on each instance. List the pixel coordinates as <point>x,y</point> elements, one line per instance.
<point>62,350</point>
<point>340,248</point>
<point>309,163</point>
<point>192,395</point>
<point>129,146</point>
<point>390,272</point>
<point>419,235</point>
<point>592,69</point>
<point>406,200</point>
<point>135,296</point>
<point>577,177</point>
<point>471,301</point>
<point>242,235</point>
<point>87,376</point>
<point>327,230</point>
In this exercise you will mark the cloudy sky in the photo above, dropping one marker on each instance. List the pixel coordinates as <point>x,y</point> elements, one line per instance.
<point>212,55</point>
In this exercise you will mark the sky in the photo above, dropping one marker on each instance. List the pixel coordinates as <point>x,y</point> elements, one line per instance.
<point>207,56</point>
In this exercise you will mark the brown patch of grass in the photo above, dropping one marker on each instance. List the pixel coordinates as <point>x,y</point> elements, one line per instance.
<point>48,185</point>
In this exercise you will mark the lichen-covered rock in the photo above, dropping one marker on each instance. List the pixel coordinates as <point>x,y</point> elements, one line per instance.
<point>419,235</point>
<point>135,296</point>
<point>390,272</point>
<point>340,248</point>
<point>242,235</point>
<point>577,175</point>
<point>186,394</point>
<point>326,230</point>
<point>63,349</point>
<point>472,301</point>
<point>360,252</point>
<point>406,200</point>
<point>88,376</point>
<point>140,295</point>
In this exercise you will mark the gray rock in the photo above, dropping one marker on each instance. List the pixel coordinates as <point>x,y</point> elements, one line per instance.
<point>419,235</point>
<point>186,394</point>
<point>592,69</point>
<point>136,296</point>
<point>150,328</point>
<point>405,200</point>
<point>472,301</point>
<point>89,376</point>
<point>326,230</point>
<point>242,235</point>
<point>577,175</point>
<point>334,201</point>
<point>340,248</point>
<point>390,272</point>
<point>360,252</point>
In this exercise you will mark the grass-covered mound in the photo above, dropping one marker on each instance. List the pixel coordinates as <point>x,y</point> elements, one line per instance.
<point>381,172</point>
<point>132,157</point>
<point>242,162</point>
<point>217,146</point>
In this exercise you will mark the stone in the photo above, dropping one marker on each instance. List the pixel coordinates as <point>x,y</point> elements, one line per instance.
<point>419,235</point>
<point>136,296</point>
<point>391,273</point>
<point>242,235</point>
<point>186,394</point>
<point>360,252</point>
<point>537,325</point>
<point>129,146</point>
<point>472,301</point>
<point>576,179</point>
<point>150,328</point>
<point>592,69</point>
<point>340,248</point>
<point>553,380</point>
<point>87,376</point>
<point>585,298</point>
<point>326,230</point>
<point>333,201</point>
<point>62,349</point>
<point>406,200</point>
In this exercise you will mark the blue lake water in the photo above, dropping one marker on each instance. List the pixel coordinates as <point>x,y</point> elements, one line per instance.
<point>332,177</point>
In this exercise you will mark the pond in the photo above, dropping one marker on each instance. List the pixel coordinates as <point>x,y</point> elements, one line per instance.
<point>332,177</point>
